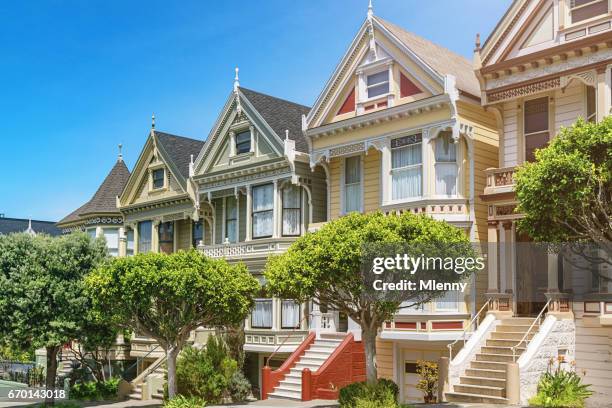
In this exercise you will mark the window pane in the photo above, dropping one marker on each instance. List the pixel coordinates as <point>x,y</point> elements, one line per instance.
<point>158,178</point>
<point>130,242</point>
<point>263,197</point>
<point>166,237</point>
<point>406,156</point>
<point>378,77</point>
<point>352,172</point>
<point>112,240</point>
<point>533,142</point>
<point>406,183</point>
<point>262,224</point>
<point>291,210</point>
<point>144,236</point>
<point>536,115</point>
<point>243,142</point>
<point>446,179</point>
<point>593,9</point>
<point>291,197</point>
<point>197,233</point>
<point>91,232</point>
<point>446,150</point>
<point>290,314</point>
<point>261,316</point>
<point>378,90</point>
<point>449,302</point>
<point>352,197</point>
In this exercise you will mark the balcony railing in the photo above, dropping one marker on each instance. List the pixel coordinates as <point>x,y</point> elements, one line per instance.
<point>254,337</point>
<point>255,248</point>
<point>500,180</point>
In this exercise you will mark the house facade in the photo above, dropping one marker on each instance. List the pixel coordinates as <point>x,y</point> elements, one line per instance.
<point>399,127</point>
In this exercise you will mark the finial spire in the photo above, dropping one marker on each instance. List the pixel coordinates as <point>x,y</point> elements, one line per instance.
<point>477,44</point>
<point>153,121</point>
<point>236,80</point>
<point>120,158</point>
<point>370,9</point>
<point>286,134</point>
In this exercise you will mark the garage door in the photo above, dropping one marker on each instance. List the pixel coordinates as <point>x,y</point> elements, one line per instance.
<point>411,378</point>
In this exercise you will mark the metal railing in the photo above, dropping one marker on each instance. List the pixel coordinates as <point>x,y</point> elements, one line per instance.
<point>476,319</point>
<point>138,360</point>
<point>298,327</point>
<point>525,337</point>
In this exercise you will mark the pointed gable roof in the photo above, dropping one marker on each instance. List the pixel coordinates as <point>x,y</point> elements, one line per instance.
<point>440,59</point>
<point>179,150</point>
<point>280,115</point>
<point>104,201</point>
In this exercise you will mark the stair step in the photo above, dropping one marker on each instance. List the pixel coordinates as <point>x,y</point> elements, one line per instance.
<point>289,386</point>
<point>489,365</point>
<point>505,358</point>
<point>326,343</point>
<point>504,343</point>
<point>483,381</point>
<point>316,354</point>
<point>511,335</point>
<point>286,395</point>
<point>474,398</point>
<point>485,373</point>
<point>501,350</point>
<point>480,390</point>
<point>321,349</point>
<point>518,320</point>
<point>135,396</point>
<point>312,367</point>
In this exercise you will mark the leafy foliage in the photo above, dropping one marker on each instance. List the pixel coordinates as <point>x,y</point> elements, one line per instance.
<point>95,390</point>
<point>428,381</point>
<point>327,266</point>
<point>167,296</point>
<point>560,388</point>
<point>180,401</point>
<point>364,393</point>
<point>566,195</point>
<point>239,387</point>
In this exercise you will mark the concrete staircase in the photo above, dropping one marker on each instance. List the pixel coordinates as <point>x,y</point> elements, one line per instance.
<point>484,380</point>
<point>291,386</point>
<point>151,385</point>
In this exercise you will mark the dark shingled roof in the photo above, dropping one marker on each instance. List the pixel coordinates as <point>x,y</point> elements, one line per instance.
<point>104,201</point>
<point>10,225</point>
<point>280,115</point>
<point>180,149</point>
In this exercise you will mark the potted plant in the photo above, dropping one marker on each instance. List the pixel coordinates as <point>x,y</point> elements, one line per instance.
<point>428,383</point>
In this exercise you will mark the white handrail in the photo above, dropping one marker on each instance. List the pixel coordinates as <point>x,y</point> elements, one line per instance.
<point>463,335</point>
<point>524,339</point>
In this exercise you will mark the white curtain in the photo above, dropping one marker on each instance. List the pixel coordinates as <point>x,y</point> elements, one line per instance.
<point>112,240</point>
<point>130,242</point>
<point>290,314</point>
<point>407,173</point>
<point>291,210</point>
<point>352,184</point>
<point>261,317</point>
<point>446,166</point>
<point>263,205</point>
<point>449,302</point>
<point>231,219</point>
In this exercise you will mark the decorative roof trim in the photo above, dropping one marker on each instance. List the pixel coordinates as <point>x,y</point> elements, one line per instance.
<point>165,202</point>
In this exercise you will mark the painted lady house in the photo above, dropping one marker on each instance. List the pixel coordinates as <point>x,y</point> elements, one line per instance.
<point>399,127</point>
<point>256,194</point>
<point>546,64</point>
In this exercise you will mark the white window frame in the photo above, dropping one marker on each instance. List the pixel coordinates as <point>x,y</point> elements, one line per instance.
<point>342,184</point>
<point>458,155</point>
<point>367,87</point>
<point>153,168</point>
<point>568,14</point>
<point>225,220</point>
<point>116,249</point>
<point>551,113</point>
<point>423,143</point>
<point>274,211</point>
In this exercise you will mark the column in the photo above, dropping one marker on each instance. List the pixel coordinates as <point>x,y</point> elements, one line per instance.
<point>252,132</point>
<point>502,258</point>
<point>135,228</point>
<point>99,232</point>
<point>275,211</point>
<point>155,236</point>
<point>511,257</point>
<point>232,136</point>
<point>249,215</point>
<point>122,242</point>
<point>427,160</point>
<point>601,94</point>
<point>492,258</point>
<point>386,172</point>
<point>553,273</point>
<point>175,227</point>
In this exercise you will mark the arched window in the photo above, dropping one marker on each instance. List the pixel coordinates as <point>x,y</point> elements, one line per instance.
<point>446,165</point>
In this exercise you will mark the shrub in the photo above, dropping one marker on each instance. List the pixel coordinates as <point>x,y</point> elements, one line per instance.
<point>428,382</point>
<point>239,387</point>
<point>384,399</point>
<point>180,401</point>
<point>560,388</point>
<point>58,405</point>
<point>376,393</point>
<point>94,390</point>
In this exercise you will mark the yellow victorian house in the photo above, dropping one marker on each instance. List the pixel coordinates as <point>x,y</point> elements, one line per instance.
<point>399,127</point>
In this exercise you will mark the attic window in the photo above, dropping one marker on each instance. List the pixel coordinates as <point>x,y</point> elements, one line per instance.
<point>378,84</point>
<point>243,142</point>
<point>158,178</point>
<point>581,10</point>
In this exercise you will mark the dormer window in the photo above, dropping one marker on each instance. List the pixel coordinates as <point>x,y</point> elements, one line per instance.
<point>158,176</point>
<point>581,10</point>
<point>378,84</point>
<point>243,142</point>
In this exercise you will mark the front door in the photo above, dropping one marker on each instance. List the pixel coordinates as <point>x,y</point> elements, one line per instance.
<point>411,378</point>
<point>531,276</point>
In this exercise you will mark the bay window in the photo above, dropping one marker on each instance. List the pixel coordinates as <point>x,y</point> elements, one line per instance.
<point>446,165</point>
<point>144,236</point>
<point>292,210</point>
<point>290,314</point>
<point>352,184</point>
<point>406,167</point>
<point>112,240</point>
<point>536,128</point>
<point>166,237</point>
<point>261,316</point>
<point>231,219</point>
<point>263,211</point>
<point>378,84</point>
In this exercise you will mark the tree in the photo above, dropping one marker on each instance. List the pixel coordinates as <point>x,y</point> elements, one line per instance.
<point>42,298</point>
<point>332,266</point>
<point>167,296</point>
<point>566,194</point>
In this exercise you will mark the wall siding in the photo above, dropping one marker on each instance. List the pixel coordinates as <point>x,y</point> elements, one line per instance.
<point>371,180</point>
<point>183,234</point>
<point>594,357</point>
<point>384,358</point>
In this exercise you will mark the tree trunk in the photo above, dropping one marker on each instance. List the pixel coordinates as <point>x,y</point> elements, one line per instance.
<point>369,344</point>
<point>171,355</point>
<point>51,373</point>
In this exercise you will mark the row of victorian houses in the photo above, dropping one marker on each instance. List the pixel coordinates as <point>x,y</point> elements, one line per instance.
<point>402,125</point>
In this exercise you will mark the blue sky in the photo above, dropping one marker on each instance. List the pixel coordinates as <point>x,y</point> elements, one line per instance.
<point>79,77</point>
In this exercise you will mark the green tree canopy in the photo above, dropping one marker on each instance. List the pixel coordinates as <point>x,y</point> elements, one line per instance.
<point>167,296</point>
<point>42,297</point>
<point>327,265</point>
